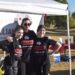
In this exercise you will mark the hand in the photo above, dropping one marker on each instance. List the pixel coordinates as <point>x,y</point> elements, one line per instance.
<point>9,39</point>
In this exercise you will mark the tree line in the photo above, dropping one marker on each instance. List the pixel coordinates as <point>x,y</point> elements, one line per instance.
<point>61,21</point>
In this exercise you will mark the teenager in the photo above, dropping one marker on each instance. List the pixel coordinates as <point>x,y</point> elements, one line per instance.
<point>15,52</point>
<point>39,56</point>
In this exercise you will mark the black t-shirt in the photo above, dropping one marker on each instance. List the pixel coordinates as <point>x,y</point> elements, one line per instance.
<point>40,49</point>
<point>13,48</point>
<point>27,43</point>
<point>17,49</point>
<point>42,44</point>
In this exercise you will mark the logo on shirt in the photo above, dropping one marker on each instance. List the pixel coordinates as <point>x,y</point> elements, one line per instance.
<point>38,43</point>
<point>19,46</point>
<point>26,37</point>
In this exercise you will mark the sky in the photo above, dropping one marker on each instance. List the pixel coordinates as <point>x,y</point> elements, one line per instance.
<point>71,5</point>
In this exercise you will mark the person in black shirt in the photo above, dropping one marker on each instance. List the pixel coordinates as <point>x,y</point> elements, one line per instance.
<point>26,43</point>
<point>15,52</point>
<point>39,56</point>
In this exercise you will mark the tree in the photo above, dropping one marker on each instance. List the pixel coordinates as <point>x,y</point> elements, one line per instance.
<point>50,20</point>
<point>72,22</point>
<point>73,14</point>
<point>57,21</point>
<point>61,21</point>
<point>62,1</point>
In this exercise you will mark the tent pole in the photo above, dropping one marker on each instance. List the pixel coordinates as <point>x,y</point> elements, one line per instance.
<point>68,31</point>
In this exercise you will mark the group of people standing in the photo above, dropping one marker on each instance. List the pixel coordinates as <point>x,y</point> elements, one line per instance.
<point>28,51</point>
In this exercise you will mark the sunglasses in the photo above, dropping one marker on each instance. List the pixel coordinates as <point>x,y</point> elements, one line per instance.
<point>27,24</point>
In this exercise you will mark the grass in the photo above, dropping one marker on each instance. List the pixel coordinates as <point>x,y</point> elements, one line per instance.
<point>63,67</point>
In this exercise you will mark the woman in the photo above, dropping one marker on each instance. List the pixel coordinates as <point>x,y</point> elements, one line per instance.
<point>26,43</point>
<point>39,56</point>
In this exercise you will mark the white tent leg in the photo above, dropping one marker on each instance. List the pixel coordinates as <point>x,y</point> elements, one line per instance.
<point>68,31</point>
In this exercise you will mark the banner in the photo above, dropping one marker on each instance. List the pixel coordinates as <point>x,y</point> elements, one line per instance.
<point>9,21</point>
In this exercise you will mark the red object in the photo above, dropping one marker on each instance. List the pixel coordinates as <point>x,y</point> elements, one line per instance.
<point>64,47</point>
<point>72,46</point>
<point>61,50</point>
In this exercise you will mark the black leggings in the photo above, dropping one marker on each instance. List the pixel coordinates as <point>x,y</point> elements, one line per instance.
<point>10,65</point>
<point>39,65</point>
<point>25,68</point>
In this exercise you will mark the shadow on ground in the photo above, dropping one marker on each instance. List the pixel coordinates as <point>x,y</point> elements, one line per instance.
<point>65,72</point>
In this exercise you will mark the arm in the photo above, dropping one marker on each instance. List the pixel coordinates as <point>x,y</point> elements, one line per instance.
<point>9,39</point>
<point>4,45</point>
<point>54,46</point>
<point>57,47</point>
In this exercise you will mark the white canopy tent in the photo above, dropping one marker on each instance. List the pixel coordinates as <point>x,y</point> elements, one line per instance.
<point>39,7</point>
<point>34,6</point>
